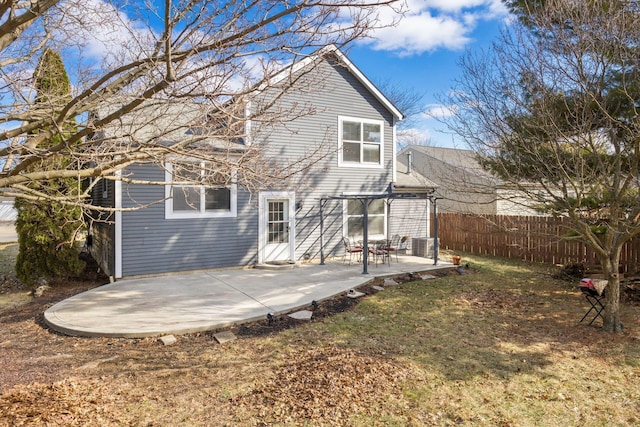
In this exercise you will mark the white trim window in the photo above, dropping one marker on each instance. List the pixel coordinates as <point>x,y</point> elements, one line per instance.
<point>188,199</point>
<point>354,219</point>
<point>361,142</point>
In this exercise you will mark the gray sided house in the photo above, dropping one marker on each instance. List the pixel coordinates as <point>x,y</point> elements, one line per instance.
<point>463,186</point>
<point>350,129</point>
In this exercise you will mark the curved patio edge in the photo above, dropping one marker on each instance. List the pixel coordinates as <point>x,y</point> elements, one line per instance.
<point>209,300</point>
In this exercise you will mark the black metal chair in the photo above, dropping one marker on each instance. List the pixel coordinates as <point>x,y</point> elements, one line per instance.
<point>594,298</point>
<point>351,249</point>
<point>393,245</point>
<point>380,252</point>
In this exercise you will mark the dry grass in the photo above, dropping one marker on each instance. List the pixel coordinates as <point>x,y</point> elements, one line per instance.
<point>500,347</point>
<point>12,293</point>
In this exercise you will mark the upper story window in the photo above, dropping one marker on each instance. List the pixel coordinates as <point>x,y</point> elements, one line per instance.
<point>361,142</point>
<point>195,192</point>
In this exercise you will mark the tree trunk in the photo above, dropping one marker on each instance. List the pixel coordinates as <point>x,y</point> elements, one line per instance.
<point>611,313</point>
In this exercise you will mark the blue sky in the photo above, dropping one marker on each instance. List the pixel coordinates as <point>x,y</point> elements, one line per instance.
<point>422,53</point>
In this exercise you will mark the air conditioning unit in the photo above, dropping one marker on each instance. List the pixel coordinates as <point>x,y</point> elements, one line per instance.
<point>422,246</point>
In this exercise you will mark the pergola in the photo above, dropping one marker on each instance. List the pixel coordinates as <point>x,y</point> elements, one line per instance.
<point>366,199</point>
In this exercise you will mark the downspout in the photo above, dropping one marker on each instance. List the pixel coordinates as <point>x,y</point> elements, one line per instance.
<point>322,202</point>
<point>117,274</point>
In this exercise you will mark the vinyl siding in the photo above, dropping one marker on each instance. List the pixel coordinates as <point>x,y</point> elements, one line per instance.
<point>336,92</point>
<point>409,218</point>
<point>512,202</point>
<point>152,244</point>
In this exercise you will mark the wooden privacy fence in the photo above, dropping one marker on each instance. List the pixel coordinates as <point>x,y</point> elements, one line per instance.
<point>530,238</point>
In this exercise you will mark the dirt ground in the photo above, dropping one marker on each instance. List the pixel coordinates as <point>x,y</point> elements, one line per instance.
<point>30,351</point>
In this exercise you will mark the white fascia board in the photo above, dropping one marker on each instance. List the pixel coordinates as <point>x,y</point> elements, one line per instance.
<point>394,147</point>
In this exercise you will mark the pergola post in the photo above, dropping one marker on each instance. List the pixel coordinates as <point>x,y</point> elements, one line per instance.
<point>366,200</point>
<point>365,237</point>
<point>436,244</point>
<point>387,236</point>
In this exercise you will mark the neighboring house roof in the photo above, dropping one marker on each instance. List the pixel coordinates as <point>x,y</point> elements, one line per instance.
<point>465,185</point>
<point>161,120</point>
<point>462,160</point>
<point>411,181</point>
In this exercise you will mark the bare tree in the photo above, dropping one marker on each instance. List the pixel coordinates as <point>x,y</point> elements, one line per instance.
<point>554,103</point>
<point>153,79</point>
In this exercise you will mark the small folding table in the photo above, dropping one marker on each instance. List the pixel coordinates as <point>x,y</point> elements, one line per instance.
<point>594,297</point>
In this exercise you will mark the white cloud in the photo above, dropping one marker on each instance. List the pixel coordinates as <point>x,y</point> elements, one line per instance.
<point>428,25</point>
<point>439,111</point>
<point>104,32</point>
<point>413,136</point>
<point>455,6</point>
<point>421,33</point>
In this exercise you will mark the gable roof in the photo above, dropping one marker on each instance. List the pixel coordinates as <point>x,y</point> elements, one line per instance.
<point>411,181</point>
<point>461,160</point>
<point>320,55</point>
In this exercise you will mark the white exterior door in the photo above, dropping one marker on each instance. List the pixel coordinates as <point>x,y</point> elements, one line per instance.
<point>277,226</point>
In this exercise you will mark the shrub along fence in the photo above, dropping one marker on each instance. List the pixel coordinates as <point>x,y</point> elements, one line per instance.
<point>529,238</point>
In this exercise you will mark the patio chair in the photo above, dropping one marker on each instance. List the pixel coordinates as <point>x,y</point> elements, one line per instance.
<point>351,249</point>
<point>393,245</point>
<point>380,252</point>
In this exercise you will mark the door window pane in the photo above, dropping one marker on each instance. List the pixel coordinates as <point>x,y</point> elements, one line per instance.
<point>278,226</point>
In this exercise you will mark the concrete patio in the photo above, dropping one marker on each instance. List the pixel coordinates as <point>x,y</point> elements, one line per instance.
<point>212,299</point>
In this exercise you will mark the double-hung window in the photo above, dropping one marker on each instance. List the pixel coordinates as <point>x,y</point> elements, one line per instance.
<point>196,192</point>
<point>355,219</point>
<point>361,142</point>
